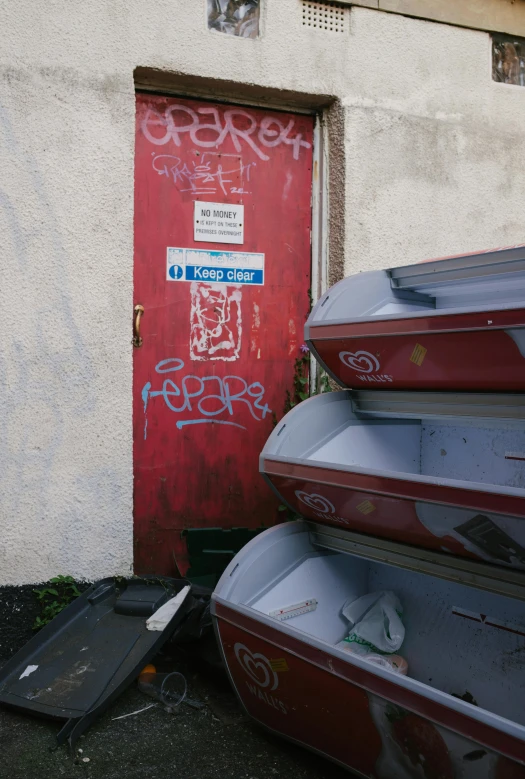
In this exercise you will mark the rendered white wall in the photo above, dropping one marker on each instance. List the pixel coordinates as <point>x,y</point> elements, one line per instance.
<point>433,150</point>
<point>434,146</point>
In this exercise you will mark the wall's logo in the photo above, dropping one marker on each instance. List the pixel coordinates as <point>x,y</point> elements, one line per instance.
<point>363,362</point>
<point>321,507</point>
<point>316,502</point>
<point>257,667</point>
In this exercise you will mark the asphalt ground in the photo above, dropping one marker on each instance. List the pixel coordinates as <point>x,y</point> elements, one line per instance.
<point>214,740</point>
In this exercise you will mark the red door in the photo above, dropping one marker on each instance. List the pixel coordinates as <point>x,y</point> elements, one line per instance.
<point>222,270</point>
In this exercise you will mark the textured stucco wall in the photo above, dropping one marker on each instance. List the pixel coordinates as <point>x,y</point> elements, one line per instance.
<point>433,145</point>
<point>425,152</point>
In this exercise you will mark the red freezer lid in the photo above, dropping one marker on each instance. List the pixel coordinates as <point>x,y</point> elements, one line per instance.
<point>455,323</point>
<point>438,470</point>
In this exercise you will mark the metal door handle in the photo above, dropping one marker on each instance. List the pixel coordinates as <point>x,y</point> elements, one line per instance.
<point>137,340</point>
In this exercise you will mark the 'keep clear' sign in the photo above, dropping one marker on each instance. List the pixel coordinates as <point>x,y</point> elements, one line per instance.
<point>218,222</point>
<point>217,266</point>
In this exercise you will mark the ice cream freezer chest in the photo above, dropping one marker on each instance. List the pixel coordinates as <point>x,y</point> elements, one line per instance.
<point>440,471</point>
<point>457,714</point>
<point>456,323</point>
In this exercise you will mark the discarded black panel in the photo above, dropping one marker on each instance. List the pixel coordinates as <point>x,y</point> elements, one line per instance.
<point>76,666</point>
<point>141,601</point>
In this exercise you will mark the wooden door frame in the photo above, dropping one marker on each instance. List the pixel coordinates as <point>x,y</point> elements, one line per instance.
<point>320,162</point>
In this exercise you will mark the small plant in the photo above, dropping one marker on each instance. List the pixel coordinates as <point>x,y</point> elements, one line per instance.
<point>302,390</point>
<point>301,381</point>
<point>324,382</point>
<point>55,598</point>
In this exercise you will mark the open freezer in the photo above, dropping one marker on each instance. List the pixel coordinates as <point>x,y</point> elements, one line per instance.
<point>441,471</point>
<point>455,323</point>
<point>457,714</point>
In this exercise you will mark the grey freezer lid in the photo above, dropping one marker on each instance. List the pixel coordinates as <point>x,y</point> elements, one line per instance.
<point>483,281</point>
<point>439,404</point>
<point>473,573</point>
<point>483,576</point>
<point>492,262</point>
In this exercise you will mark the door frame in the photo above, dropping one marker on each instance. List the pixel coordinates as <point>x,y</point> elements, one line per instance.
<point>320,170</point>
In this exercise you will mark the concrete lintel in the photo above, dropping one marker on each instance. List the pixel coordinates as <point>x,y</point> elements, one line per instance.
<point>506,16</point>
<point>164,81</point>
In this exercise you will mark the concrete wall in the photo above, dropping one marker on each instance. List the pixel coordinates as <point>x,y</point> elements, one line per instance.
<point>433,145</point>
<point>506,16</point>
<point>425,160</point>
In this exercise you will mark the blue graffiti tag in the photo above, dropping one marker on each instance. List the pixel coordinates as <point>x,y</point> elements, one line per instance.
<point>225,392</point>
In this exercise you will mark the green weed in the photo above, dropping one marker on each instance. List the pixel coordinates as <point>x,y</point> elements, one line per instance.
<point>53,599</point>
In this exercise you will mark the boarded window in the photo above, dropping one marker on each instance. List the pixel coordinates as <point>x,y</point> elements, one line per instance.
<point>508,59</point>
<point>235,17</point>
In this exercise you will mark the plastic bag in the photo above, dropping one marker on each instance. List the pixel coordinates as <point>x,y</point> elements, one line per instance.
<point>375,623</point>
<point>394,663</point>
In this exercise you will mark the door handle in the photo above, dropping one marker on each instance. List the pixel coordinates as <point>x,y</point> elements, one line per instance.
<point>138,311</point>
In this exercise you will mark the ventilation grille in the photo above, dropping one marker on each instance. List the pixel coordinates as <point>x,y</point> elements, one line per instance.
<point>324,16</point>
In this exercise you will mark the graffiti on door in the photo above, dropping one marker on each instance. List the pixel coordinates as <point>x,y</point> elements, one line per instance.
<point>207,174</point>
<point>207,398</point>
<point>222,319</point>
<point>215,322</point>
<point>236,124</point>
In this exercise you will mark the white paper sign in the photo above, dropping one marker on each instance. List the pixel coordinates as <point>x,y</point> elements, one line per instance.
<point>218,222</point>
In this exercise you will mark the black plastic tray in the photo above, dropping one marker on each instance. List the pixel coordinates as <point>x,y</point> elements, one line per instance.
<point>91,652</point>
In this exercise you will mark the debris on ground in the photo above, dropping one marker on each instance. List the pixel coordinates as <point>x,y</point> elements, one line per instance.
<point>194,745</point>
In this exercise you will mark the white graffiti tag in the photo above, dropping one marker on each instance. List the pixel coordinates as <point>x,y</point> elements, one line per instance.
<point>206,174</point>
<point>241,126</point>
<point>257,667</point>
<point>215,322</point>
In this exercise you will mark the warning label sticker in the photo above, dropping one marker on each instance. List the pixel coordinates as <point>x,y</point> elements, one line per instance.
<point>217,266</point>
<point>366,507</point>
<point>418,355</point>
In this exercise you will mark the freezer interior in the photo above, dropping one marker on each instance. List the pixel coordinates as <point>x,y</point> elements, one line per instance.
<point>459,639</point>
<point>485,453</point>
<point>473,451</point>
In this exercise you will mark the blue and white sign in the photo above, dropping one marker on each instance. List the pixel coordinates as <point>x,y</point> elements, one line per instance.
<point>215,266</point>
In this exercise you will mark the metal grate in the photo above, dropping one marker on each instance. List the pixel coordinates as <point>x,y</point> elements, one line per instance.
<point>324,16</point>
